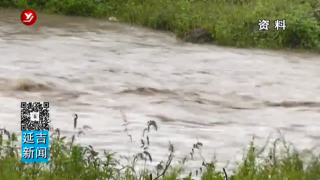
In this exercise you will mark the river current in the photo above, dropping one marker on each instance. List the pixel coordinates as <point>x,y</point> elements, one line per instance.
<point>95,68</point>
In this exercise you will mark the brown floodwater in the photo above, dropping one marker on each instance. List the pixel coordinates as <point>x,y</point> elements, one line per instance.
<point>95,68</point>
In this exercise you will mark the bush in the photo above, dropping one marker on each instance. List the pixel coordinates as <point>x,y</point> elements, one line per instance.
<point>71,161</point>
<point>230,22</point>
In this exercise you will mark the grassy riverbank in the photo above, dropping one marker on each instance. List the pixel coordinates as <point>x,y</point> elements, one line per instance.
<point>229,22</point>
<point>70,161</point>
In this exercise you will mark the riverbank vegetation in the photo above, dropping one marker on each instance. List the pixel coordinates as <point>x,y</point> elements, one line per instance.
<point>223,22</point>
<point>71,161</point>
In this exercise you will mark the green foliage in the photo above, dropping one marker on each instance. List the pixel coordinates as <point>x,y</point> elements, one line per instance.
<point>71,161</point>
<point>231,22</point>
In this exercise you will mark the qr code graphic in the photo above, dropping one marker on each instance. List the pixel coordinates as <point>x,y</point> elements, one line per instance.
<point>34,116</point>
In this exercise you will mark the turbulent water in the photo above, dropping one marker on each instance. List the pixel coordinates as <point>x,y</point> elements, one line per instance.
<point>219,96</point>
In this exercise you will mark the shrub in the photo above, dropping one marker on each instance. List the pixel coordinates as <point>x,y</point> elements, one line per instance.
<point>230,22</point>
<point>71,161</point>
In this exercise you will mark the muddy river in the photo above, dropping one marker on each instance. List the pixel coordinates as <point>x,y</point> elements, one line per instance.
<point>95,68</point>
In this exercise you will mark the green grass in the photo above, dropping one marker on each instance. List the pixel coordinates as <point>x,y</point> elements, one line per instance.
<point>230,22</point>
<point>71,161</point>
